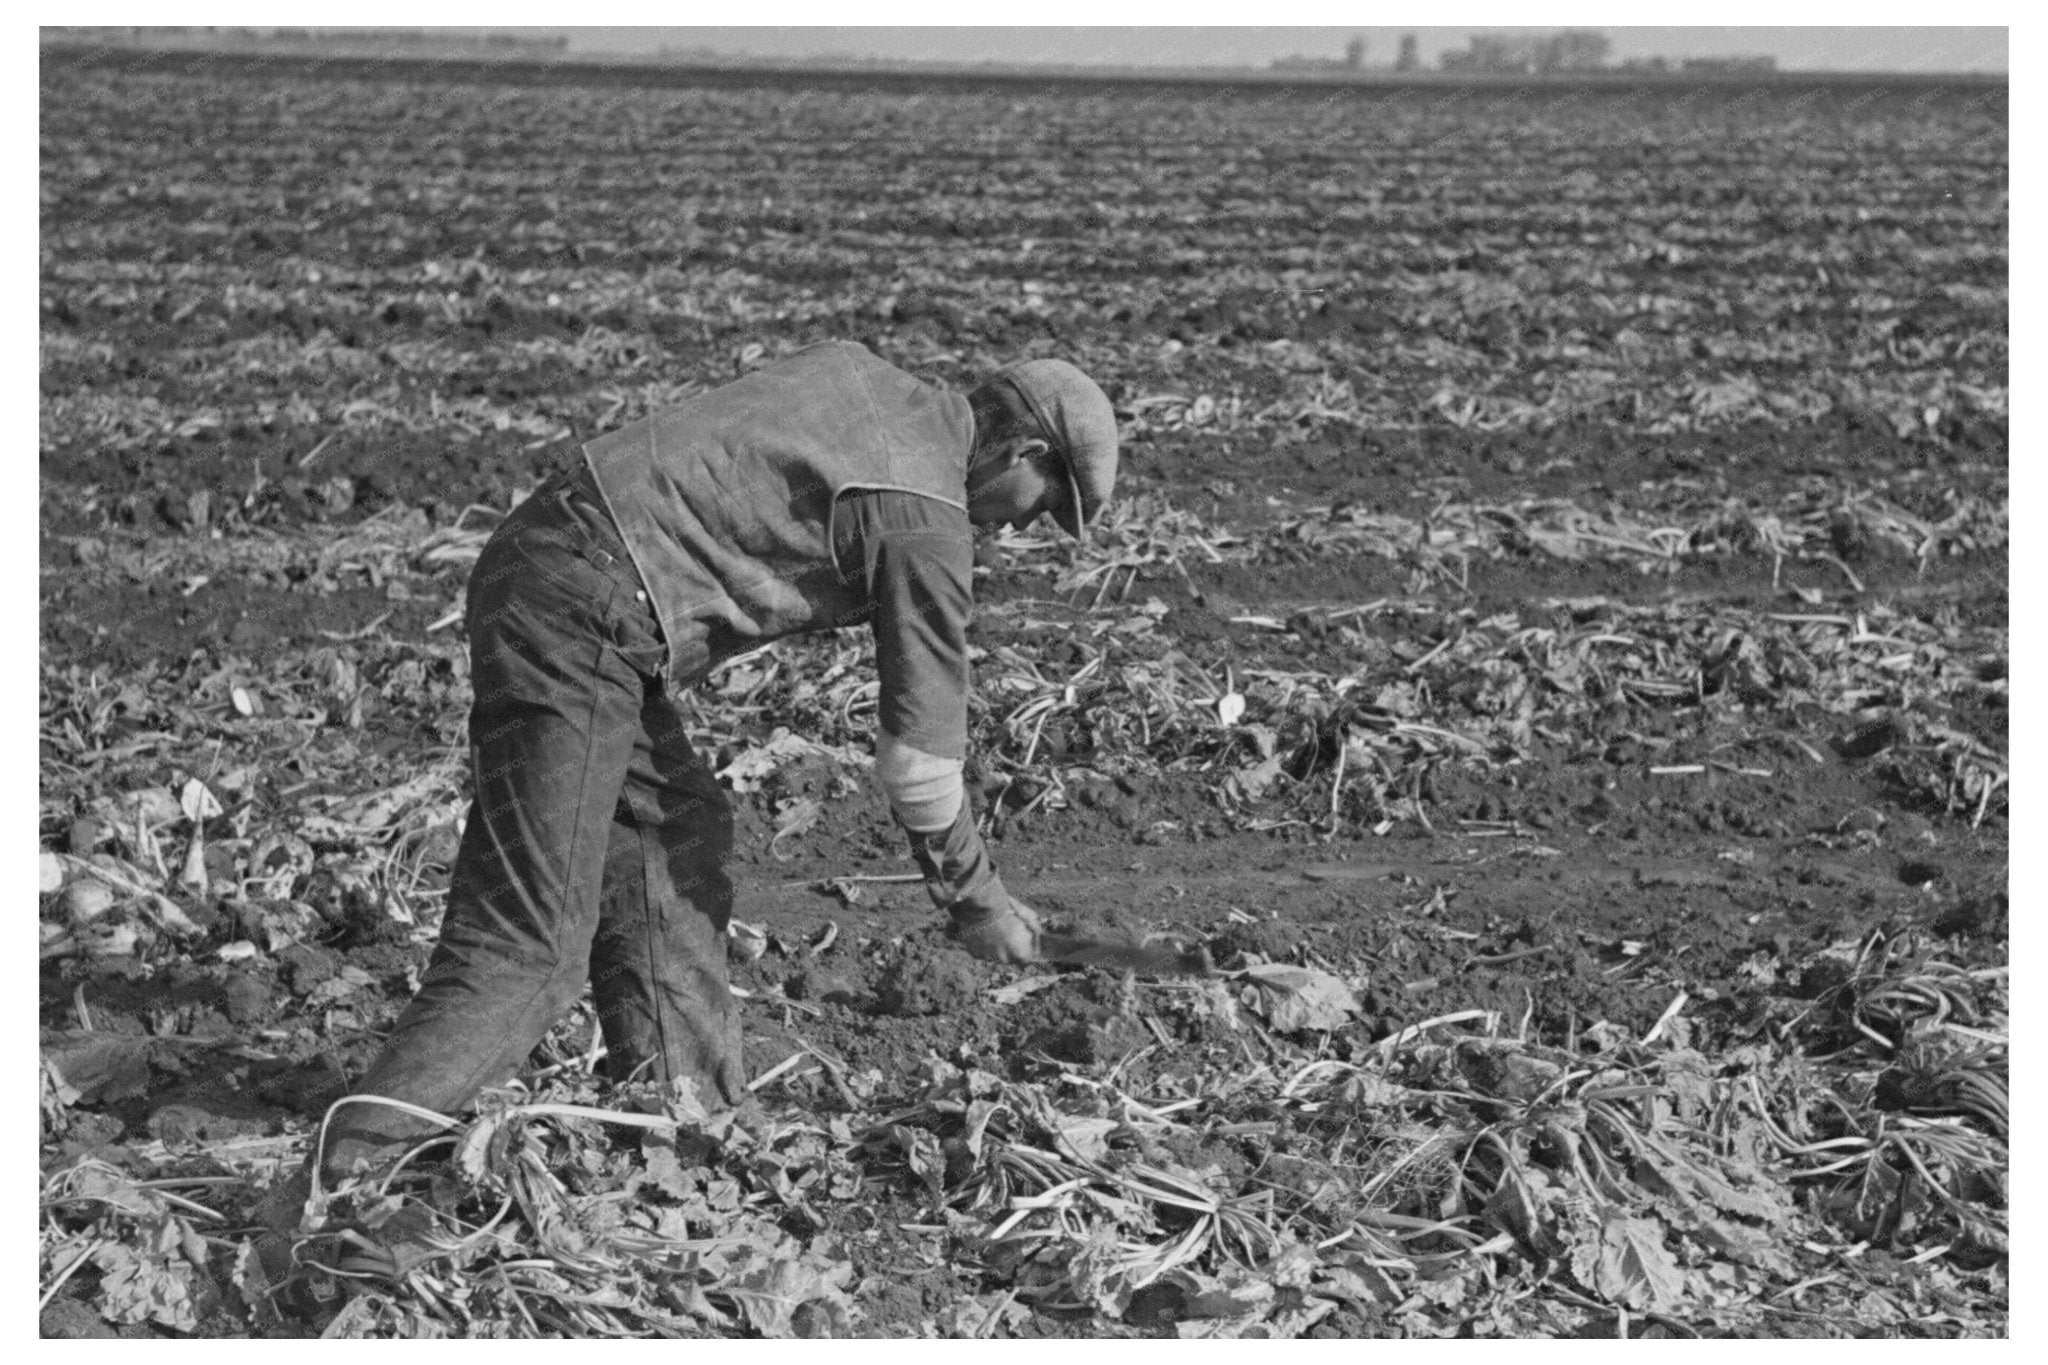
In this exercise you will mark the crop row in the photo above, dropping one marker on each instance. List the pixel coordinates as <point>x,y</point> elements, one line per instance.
<point>234,260</point>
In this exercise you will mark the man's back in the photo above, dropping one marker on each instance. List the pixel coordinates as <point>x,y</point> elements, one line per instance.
<point>726,501</point>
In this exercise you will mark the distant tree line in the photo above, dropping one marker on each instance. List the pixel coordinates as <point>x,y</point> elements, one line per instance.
<point>1569,50</point>
<point>1702,65</point>
<point>420,36</point>
<point>374,37</point>
<point>1563,52</point>
<point>1354,60</point>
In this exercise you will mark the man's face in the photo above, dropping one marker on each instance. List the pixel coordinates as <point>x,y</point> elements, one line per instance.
<point>1016,487</point>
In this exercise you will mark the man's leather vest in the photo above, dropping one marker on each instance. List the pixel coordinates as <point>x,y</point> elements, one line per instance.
<point>726,501</point>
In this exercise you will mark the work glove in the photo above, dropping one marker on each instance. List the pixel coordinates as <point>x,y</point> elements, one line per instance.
<point>956,866</point>
<point>1008,933</point>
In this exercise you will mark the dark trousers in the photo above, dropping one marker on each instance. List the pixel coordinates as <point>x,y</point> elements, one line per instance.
<point>595,846</point>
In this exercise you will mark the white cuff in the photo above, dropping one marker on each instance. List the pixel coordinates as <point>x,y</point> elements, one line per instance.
<point>925,791</point>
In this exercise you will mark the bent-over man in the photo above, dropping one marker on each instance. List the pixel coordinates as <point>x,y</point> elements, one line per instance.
<point>823,490</point>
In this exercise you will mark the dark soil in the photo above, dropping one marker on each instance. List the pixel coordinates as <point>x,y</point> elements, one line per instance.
<point>1564,892</point>
<point>1564,884</point>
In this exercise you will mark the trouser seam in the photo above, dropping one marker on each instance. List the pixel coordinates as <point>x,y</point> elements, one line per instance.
<point>480,1074</point>
<point>653,906</point>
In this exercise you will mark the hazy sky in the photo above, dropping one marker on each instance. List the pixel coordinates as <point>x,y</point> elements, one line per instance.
<point>1865,48</point>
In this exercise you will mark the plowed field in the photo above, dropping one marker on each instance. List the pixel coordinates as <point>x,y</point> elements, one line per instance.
<point>1550,645</point>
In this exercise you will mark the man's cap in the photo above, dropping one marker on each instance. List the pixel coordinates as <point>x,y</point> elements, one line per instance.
<point>1077,419</point>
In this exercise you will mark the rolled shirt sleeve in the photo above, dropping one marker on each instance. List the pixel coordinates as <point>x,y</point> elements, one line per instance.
<point>917,556</point>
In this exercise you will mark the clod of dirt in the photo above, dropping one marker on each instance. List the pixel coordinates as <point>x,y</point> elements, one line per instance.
<point>68,1319</point>
<point>1984,917</point>
<point>1158,1306</point>
<point>180,1121</point>
<point>1916,872</point>
<point>1869,740</point>
<point>1100,1038</point>
<point>928,981</point>
<point>1821,976</point>
<point>185,511</point>
<point>88,1131</point>
<point>1273,940</point>
<point>248,997</point>
<point>303,1089</point>
<point>823,986</point>
<point>205,915</point>
<point>306,966</point>
<point>1080,1022</point>
<point>1096,794</point>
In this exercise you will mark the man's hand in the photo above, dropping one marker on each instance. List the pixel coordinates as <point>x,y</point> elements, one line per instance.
<point>1010,935</point>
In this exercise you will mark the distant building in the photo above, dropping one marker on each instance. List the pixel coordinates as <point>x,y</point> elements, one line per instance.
<point>1513,54</point>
